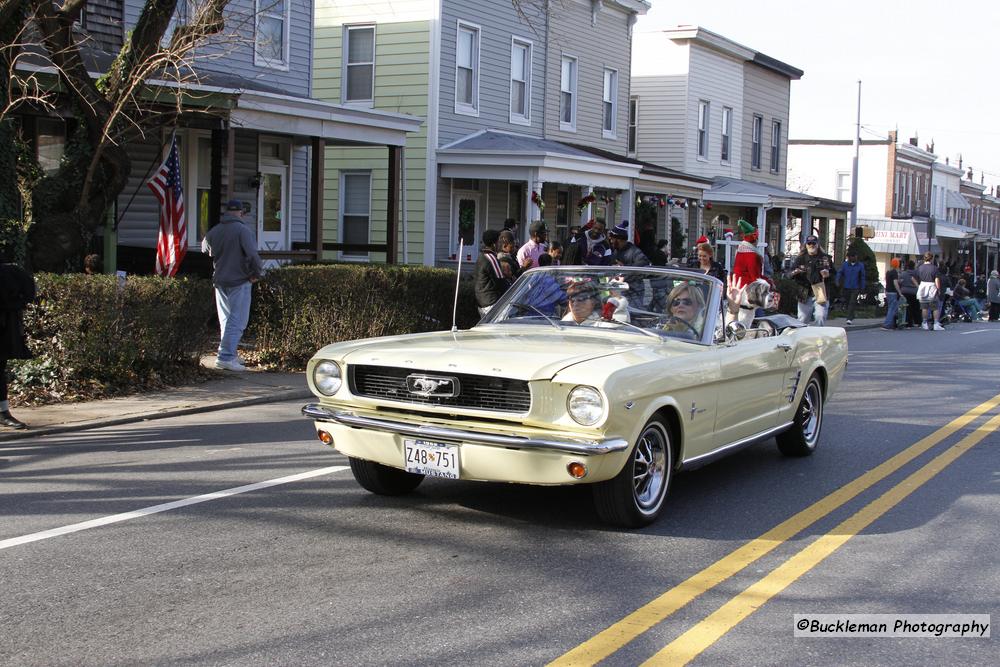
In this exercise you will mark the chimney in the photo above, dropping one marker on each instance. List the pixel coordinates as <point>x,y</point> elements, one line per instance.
<point>914,142</point>
<point>892,136</point>
<point>960,161</point>
<point>969,175</point>
<point>946,161</point>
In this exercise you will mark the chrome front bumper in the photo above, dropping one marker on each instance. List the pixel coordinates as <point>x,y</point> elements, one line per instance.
<point>572,446</point>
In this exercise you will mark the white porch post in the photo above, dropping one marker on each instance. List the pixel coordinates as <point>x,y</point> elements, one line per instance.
<point>782,231</point>
<point>807,226</point>
<point>588,210</point>
<point>628,208</point>
<point>761,228</point>
<point>535,209</point>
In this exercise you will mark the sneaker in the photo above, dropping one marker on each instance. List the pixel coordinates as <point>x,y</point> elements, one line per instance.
<point>888,328</point>
<point>938,327</point>
<point>232,365</point>
<point>849,322</point>
<point>923,325</point>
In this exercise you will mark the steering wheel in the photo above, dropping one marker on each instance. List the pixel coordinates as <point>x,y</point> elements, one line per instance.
<point>673,319</point>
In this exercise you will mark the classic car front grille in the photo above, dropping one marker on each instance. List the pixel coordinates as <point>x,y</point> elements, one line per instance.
<point>481,392</point>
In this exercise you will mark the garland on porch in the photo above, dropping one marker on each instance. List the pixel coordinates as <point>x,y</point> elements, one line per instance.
<point>585,201</point>
<point>537,201</point>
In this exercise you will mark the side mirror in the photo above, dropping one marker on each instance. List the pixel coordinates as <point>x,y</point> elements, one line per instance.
<point>735,331</point>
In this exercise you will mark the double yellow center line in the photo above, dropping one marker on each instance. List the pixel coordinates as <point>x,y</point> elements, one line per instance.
<point>702,635</point>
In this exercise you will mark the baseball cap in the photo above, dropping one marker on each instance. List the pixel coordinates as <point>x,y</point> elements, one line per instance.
<point>234,205</point>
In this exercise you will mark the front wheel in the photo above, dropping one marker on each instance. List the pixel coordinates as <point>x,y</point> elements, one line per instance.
<point>801,438</point>
<point>384,480</point>
<point>635,496</point>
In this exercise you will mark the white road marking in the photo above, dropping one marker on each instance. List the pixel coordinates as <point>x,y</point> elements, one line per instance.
<point>966,333</point>
<point>155,509</point>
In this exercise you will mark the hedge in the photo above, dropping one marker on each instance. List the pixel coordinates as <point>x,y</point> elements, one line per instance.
<point>299,309</point>
<point>93,337</point>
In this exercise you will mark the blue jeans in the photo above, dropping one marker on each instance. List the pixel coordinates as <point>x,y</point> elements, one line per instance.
<point>892,306</point>
<point>809,308</point>
<point>233,304</point>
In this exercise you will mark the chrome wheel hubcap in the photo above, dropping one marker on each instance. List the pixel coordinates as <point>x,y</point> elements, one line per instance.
<point>649,467</point>
<point>812,413</point>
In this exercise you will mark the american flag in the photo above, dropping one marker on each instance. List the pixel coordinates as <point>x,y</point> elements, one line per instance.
<point>166,185</point>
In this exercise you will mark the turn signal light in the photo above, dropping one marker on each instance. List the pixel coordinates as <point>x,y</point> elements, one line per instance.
<point>325,438</point>
<point>577,470</point>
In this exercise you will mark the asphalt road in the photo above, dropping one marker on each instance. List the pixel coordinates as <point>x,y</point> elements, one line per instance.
<point>315,571</point>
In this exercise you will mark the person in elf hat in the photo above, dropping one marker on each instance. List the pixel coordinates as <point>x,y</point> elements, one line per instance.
<point>748,265</point>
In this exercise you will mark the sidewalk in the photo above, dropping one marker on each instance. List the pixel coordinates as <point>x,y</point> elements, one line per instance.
<point>228,390</point>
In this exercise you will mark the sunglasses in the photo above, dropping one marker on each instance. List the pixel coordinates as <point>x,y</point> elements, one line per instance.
<point>810,242</point>
<point>682,301</point>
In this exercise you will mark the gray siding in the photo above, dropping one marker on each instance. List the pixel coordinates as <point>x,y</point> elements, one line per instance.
<point>234,54</point>
<point>140,215</point>
<point>608,44</point>
<point>767,94</point>
<point>103,23</point>
<point>245,161</point>
<point>498,22</point>
<point>662,123</point>
<point>299,195</point>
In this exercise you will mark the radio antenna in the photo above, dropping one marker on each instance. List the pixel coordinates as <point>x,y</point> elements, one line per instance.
<point>458,279</point>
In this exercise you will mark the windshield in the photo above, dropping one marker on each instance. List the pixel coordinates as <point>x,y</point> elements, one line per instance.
<point>663,302</point>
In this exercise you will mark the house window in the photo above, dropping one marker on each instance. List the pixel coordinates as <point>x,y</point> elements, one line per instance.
<point>520,82</point>
<point>355,210</point>
<point>271,39</point>
<point>567,98</point>
<point>703,129</point>
<point>359,65</point>
<point>775,145</point>
<point>515,201</point>
<point>843,188</point>
<point>467,70</point>
<point>50,144</point>
<point>758,128</point>
<point>610,103</point>
<point>202,187</point>
<point>633,123</point>
<point>727,132</point>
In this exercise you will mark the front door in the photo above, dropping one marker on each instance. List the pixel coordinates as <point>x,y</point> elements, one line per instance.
<point>272,209</point>
<point>466,211</point>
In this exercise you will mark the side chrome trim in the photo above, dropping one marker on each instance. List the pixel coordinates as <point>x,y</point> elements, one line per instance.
<point>725,450</point>
<point>584,447</point>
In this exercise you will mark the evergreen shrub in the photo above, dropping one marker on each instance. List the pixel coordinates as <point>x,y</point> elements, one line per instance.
<point>300,308</point>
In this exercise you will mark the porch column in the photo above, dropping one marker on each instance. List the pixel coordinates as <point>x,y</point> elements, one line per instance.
<point>534,211</point>
<point>807,226</point>
<point>782,231</point>
<point>628,208</point>
<point>588,210</point>
<point>761,228</point>
<point>392,206</point>
<point>316,203</point>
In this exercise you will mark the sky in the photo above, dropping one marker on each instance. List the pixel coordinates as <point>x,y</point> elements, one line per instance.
<point>927,68</point>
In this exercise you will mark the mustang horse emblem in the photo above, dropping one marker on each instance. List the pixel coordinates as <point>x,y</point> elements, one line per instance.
<point>425,385</point>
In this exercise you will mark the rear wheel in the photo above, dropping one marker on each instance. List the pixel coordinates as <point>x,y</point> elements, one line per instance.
<point>384,480</point>
<point>635,496</point>
<point>801,438</point>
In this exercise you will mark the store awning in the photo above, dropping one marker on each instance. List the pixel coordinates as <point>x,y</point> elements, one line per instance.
<point>955,200</point>
<point>949,230</point>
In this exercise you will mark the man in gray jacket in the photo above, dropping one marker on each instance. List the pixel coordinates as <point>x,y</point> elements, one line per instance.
<point>233,250</point>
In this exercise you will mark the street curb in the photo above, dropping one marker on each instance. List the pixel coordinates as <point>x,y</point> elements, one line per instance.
<point>288,395</point>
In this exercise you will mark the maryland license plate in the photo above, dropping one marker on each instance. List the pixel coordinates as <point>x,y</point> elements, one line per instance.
<point>434,459</point>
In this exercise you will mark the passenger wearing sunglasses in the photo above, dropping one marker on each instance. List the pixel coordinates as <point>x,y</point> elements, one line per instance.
<point>686,310</point>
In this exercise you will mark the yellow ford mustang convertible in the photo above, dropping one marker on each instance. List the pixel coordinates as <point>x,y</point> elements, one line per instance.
<point>608,376</point>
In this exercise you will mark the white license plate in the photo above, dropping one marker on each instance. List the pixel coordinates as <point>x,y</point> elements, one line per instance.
<point>434,459</point>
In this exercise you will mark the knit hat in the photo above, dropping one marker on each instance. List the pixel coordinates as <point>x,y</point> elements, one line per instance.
<point>619,231</point>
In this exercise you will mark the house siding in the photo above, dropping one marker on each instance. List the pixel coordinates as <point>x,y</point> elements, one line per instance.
<point>402,68</point>
<point>717,79</point>
<point>662,122</point>
<point>138,209</point>
<point>766,94</point>
<point>233,54</point>
<point>608,44</point>
<point>103,23</point>
<point>498,22</point>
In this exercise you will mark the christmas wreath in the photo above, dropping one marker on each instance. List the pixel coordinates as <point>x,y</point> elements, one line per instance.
<point>537,201</point>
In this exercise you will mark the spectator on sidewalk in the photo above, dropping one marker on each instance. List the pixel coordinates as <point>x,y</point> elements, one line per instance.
<point>17,290</point>
<point>490,283</point>
<point>993,295</point>
<point>851,279</point>
<point>927,292</point>
<point>527,255</point>
<point>908,288</point>
<point>506,253</point>
<point>966,302</point>
<point>237,265</point>
<point>555,252</point>
<point>625,252</point>
<point>892,294</point>
<point>811,270</point>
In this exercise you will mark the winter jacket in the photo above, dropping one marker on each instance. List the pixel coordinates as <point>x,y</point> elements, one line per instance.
<point>629,255</point>
<point>233,250</point>
<point>490,282</point>
<point>17,290</point>
<point>993,290</point>
<point>852,276</point>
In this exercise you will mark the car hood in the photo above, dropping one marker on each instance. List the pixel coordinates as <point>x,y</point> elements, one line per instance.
<point>524,353</point>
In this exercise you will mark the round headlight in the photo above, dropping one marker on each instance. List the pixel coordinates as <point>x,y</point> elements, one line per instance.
<point>585,405</point>
<point>326,377</point>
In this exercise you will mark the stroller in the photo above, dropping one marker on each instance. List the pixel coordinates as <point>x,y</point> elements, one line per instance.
<point>953,311</point>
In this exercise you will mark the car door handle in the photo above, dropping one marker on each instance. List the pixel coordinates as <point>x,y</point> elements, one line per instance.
<point>784,346</point>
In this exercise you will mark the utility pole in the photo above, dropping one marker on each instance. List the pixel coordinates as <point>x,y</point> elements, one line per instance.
<point>854,168</point>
